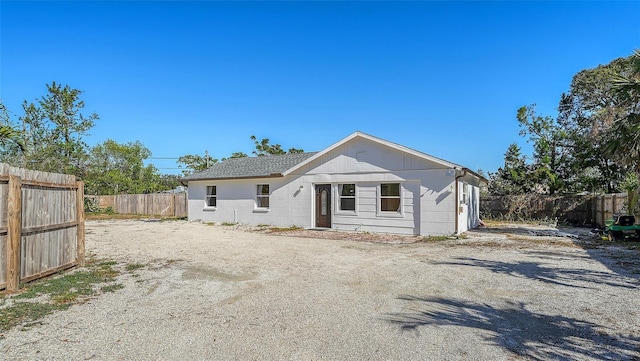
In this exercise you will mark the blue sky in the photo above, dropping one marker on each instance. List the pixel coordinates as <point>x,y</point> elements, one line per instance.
<point>444,78</point>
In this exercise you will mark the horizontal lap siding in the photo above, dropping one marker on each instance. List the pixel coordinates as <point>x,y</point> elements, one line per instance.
<point>368,218</point>
<point>288,203</point>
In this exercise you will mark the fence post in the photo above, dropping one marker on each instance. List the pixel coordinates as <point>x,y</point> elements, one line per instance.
<point>613,203</point>
<point>14,234</point>
<point>80,219</point>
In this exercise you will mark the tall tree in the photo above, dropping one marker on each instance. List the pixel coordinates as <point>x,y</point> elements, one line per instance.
<point>594,113</point>
<point>552,156</point>
<point>62,107</point>
<point>514,176</point>
<point>623,142</point>
<point>52,129</point>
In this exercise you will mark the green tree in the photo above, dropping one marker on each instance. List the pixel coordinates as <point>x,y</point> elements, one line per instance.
<point>623,142</point>
<point>195,163</point>
<point>62,108</point>
<point>263,147</point>
<point>512,178</point>
<point>169,181</point>
<point>52,129</point>
<point>552,153</point>
<point>10,136</point>
<point>631,185</point>
<point>598,115</point>
<point>237,155</point>
<point>119,168</point>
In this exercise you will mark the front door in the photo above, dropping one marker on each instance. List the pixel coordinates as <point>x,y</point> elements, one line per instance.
<point>323,205</point>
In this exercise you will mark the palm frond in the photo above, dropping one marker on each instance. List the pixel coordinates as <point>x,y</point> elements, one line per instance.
<point>9,135</point>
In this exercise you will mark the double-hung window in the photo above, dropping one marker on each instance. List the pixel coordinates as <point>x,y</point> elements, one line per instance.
<point>347,196</point>
<point>262,196</point>
<point>464,198</point>
<point>211,197</point>
<point>390,197</point>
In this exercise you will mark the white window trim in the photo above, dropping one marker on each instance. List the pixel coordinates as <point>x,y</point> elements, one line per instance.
<point>389,214</point>
<point>207,207</point>
<point>339,197</point>
<point>268,196</point>
<point>464,194</point>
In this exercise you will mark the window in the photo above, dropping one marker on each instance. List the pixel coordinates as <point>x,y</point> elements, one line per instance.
<point>464,198</point>
<point>262,196</point>
<point>210,199</point>
<point>390,197</point>
<point>347,194</point>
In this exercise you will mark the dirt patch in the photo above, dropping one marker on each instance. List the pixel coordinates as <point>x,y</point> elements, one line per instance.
<point>234,292</point>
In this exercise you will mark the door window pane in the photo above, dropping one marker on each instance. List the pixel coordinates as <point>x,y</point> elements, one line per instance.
<point>323,202</point>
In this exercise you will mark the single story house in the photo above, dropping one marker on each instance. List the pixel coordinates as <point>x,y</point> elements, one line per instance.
<point>361,183</point>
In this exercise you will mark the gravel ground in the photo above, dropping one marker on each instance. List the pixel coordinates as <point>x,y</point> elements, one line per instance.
<point>230,293</point>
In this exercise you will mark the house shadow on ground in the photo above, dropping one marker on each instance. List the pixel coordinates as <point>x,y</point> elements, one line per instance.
<point>519,330</point>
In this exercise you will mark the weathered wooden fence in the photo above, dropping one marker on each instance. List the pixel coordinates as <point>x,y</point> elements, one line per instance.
<point>578,209</point>
<point>153,204</point>
<point>605,206</point>
<point>41,224</point>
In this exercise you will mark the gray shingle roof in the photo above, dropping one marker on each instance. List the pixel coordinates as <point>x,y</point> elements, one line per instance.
<point>250,167</point>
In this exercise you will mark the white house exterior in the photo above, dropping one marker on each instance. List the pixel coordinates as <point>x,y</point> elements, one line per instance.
<point>361,183</point>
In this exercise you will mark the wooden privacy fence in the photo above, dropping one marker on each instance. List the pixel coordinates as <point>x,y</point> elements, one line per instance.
<point>605,206</point>
<point>576,209</point>
<point>41,224</point>
<point>153,204</point>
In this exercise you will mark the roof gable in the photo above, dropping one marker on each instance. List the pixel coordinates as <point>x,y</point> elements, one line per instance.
<point>381,141</point>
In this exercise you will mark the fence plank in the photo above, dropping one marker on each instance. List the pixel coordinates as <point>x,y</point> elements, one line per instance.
<point>14,210</point>
<point>154,204</point>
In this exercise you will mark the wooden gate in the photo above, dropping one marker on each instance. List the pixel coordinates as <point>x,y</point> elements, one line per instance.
<point>41,224</point>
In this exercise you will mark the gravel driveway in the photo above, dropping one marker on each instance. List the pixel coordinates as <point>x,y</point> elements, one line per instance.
<point>220,293</point>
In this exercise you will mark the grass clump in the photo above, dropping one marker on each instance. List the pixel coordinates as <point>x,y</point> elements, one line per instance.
<point>59,292</point>
<point>133,266</point>
<point>435,238</point>
<point>228,223</point>
<point>285,229</point>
